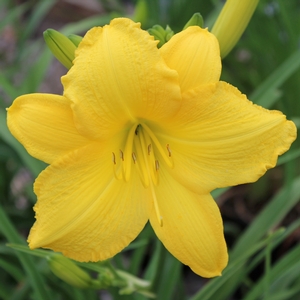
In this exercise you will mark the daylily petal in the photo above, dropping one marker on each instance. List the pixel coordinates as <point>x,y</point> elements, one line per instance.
<point>118,77</point>
<point>194,53</point>
<point>44,124</point>
<point>222,139</point>
<point>192,227</point>
<point>83,211</point>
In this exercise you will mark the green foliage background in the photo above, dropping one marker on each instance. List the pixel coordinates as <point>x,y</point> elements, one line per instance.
<point>264,249</point>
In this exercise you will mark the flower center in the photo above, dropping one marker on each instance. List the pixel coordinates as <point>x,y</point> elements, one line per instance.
<point>142,148</point>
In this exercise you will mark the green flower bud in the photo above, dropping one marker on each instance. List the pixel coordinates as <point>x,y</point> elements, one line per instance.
<point>195,20</point>
<point>160,34</point>
<point>140,12</point>
<point>168,33</point>
<point>75,39</point>
<point>61,47</point>
<point>68,271</point>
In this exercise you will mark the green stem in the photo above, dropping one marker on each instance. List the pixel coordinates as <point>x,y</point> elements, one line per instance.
<point>115,273</point>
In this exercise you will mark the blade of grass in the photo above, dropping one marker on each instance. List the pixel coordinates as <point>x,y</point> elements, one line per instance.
<point>265,94</point>
<point>4,292</point>
<point>270,216</point>
<point>41,8</point>
<point>7,88</point>
<point>139,253</point>
<point>36,280</point>
<point>86,24</point>
<point>234,272</point>
<point>289,156</point>
<point>289,263</point>
<point>13,14</point>
<point>11,269</point>
<point>37,72</point>
<point>170,279</point>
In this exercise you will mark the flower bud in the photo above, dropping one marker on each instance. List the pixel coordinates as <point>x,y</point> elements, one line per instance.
<point>161,34</point>
<point>68,271</point>
<point>75,39</point>
<point>232,22</point>
<point>168,33</point>
<point>195,20</point>
<point>61,47</point>
<point>140,12</point>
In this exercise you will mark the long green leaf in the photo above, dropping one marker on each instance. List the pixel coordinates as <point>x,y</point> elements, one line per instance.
<point>289,263</point>
<point>271,215</point>
<point>36,280</point>
<point>267,93</point>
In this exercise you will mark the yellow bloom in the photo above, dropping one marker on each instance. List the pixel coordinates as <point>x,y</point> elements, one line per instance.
<point>141,134</point>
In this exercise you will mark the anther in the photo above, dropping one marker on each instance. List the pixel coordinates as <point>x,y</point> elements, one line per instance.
<point>113,158</point>
<point>133,157</point>
<point>121,155</point>
<point>156,165</point>
<point>137,130</point>
<point>149,149</point>
<point>169,150</point>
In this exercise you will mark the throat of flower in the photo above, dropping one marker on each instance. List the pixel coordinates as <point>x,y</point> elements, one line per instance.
<point>142,148</point>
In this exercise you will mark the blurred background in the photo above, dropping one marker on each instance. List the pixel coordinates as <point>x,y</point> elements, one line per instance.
<point>262,225</point>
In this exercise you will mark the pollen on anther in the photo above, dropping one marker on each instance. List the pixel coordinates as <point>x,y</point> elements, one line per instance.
<point>156,165</point>
<point>169,150</point>
<point>133,157</point>
<point>121,155</point>
<point>113,158</point>
<point>149,149</point>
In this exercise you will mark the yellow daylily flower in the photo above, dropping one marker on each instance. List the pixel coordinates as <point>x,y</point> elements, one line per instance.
<point>141,134</point>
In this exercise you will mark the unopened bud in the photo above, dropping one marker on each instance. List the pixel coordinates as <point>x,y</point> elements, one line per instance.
<point>61,47</point>
<point>68,271</point>
<point>75,39</point>
<point>195,20</point>
<point>232,22</point>
<point>140,12</point>
<point>160,34</point>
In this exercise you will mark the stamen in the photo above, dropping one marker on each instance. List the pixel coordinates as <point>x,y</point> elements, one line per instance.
<point>118,175</point>
<point>133,157</point>
<point>141,162</point>
<point>157,212</point>
<point>149,159</point>
<point>137,129</point>
<point>169,150</point>
<point>158,146</point>
<point>128,152</point>
<point>143,147</point>
<point>121,155</point>
<point>156,165</point>
<point>114,158</point>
